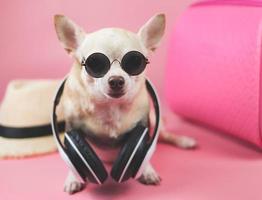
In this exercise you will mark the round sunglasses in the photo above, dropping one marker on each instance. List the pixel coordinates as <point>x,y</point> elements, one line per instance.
<point>98,64</point>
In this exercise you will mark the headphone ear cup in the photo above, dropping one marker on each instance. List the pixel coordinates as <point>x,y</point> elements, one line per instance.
<point>131,155</point>
<point>84,159</point>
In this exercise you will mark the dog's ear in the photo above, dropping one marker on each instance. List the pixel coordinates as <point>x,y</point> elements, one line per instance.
<point>69,33</point>
<point>151,33</point>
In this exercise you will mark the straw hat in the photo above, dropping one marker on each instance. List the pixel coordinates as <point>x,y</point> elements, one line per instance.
<point>27,104</point>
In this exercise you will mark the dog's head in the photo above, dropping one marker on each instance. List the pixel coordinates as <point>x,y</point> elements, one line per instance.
<point>104,72</point>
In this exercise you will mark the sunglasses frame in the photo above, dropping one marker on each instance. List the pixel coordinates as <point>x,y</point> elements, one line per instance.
<point>83,63</point>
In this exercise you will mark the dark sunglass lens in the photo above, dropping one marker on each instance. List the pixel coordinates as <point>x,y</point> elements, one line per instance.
<point>97,65</point>
<point>134,62</point>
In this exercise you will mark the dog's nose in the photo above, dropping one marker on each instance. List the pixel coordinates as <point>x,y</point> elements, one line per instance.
<point>116,82</point>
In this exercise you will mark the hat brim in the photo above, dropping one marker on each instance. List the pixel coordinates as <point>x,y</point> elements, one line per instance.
<point>27,147</point>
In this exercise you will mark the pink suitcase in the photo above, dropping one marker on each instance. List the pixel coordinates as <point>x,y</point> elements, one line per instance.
<point>213,72</point>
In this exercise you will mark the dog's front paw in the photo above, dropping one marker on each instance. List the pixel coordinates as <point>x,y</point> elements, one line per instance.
<point>73,187</point>
<point>149,177</point>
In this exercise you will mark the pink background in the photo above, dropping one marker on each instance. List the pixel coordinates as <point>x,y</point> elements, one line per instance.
<point>215,73</point>
<point>29,46</point>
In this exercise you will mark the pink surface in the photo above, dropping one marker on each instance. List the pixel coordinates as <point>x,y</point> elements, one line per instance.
<point>214,69</point>
<point>29,46</point>
<point>219,169</point>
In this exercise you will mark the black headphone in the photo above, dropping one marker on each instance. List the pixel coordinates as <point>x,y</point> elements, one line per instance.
<point>84,162</point>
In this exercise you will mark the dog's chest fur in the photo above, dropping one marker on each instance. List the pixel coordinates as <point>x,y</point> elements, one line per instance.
<point>105,120</point>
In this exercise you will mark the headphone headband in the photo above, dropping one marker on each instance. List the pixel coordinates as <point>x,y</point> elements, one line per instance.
<point>54,116</point>
<point>150,89</point>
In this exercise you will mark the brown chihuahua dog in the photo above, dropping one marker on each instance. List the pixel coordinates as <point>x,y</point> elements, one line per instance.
<point>110,100</point>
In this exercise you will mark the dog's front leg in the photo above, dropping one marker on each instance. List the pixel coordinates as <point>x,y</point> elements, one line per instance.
<point>72,185</point>
<point>149,176</point>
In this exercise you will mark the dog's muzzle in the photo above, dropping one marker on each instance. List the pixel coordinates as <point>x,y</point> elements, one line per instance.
<point>116,84</point>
